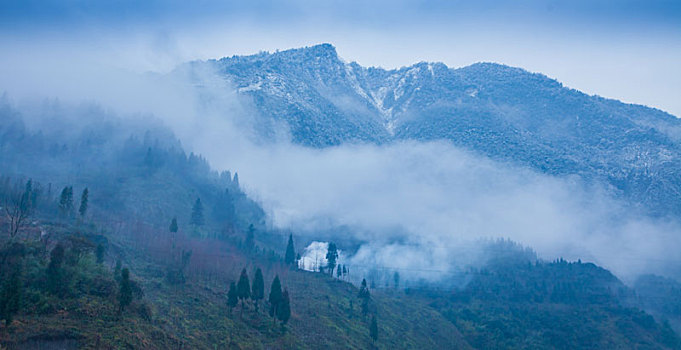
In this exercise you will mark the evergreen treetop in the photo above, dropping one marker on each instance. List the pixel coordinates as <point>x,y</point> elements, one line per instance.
<point>290,257</point>
<point>173,225</point>
<point>197,218</point>
<point>83,202</point>
<point>243,286</point>
<point>331,257</point>
<point>275,296</point>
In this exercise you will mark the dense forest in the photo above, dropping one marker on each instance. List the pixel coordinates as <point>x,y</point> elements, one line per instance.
<point>111,236</point>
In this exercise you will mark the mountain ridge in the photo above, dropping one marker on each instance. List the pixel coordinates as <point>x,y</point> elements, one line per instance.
<point>502,112</point>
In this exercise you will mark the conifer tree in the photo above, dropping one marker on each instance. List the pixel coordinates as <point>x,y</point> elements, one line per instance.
<point>54,270</point>
<point>339,272</point>
<point>125,291</point>
<point>331,257</point>
<point>173,230</point>
<point>373,329</point>
<point>66,201</point>
<point>290,257</point>
<point>258,288</point>
<point>173,225</point>
<point>243,289</point>
<point>10,295</point>
<point>284,308</point>
<point>275,296</point>
<point>83,203</point>
<point>232,297</point>
<point>396,279</point>
<point>236,180</point>
<point>364,295</point>
<point>197,214</point>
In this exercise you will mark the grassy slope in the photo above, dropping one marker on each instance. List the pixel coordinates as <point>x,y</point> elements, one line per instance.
<point>195,315</point>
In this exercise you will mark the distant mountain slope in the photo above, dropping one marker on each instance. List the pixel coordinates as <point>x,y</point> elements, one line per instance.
<point>503,112</point>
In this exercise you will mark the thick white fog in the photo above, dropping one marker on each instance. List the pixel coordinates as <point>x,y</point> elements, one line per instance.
<point>418,206</point>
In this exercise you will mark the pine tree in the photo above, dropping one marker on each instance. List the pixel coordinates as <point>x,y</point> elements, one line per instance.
<point>236,180</point>
<point>331,257</point>
<point>373,329</point>
<point>275,296</point>
<point>10,296</point>
<point>232,297</point>
<point>364,295</point>
<point>197,213</point>
<point>54,270</point>
<point>284,308</point>
<point>83,203</point>
<point>173,225</point>
<point>258,288</point>
<point>290,257</point>
<point>243,289</point>
<point>66,201</point>
<point>339,272</point>
<point>125,291</point>
<point>396,279</point>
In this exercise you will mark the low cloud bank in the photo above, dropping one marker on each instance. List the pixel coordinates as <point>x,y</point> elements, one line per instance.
<point>416,206</point>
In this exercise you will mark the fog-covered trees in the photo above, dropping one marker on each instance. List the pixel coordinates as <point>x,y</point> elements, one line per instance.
<point>223,209</point>
<point>66,201</point>
<point>364,296</point>
<point>290,257</point>
<point>82,210</point>
<point>197,218</point>
<point>258,288</point>
<point>173,225</point>
<point>331,257</point>
<point>18,206</point>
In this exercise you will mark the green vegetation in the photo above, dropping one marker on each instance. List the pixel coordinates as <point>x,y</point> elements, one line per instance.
<point>124,278</point>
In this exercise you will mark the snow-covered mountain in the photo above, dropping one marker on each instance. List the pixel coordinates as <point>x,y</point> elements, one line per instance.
<point>503,112</point>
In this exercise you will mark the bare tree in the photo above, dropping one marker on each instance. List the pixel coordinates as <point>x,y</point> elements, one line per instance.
<point>18,208</point>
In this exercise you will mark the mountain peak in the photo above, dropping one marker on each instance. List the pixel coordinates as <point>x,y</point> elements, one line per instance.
<point>323,48</point>
<point>324,51</point>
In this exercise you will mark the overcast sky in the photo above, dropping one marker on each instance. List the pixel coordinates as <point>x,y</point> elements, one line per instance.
<point>629,50</point>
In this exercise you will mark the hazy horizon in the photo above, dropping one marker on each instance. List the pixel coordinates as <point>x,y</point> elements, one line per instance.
<point>627,51</point>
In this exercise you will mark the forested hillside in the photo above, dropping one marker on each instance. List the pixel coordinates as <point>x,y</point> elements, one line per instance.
<point>113,237</point>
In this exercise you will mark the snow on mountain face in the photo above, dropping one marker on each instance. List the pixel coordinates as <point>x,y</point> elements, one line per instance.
<point>503,112</point>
